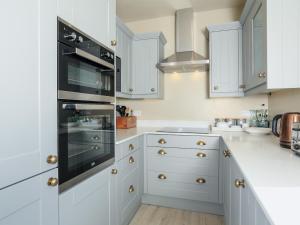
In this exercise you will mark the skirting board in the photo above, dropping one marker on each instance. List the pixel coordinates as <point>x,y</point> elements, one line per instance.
<point>205,207</point>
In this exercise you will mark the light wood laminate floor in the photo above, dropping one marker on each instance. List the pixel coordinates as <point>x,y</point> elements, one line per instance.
<point>156,215</point>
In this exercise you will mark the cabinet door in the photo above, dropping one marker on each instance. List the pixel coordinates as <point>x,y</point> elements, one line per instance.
<point>259,56</point>
<point>225,55</point>
<point>30,202</point>
<point>28,89</point>
<point>114,198</point>
<point>227,189</point>
<point>88,202</point>
<point>248,206</point>
<point>247,55</point>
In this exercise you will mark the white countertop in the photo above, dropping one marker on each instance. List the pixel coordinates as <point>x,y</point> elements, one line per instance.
<point>272,172</point>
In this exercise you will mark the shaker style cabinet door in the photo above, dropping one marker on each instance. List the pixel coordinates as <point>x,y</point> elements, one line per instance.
<point>31,202</point>
<point>28,90</point>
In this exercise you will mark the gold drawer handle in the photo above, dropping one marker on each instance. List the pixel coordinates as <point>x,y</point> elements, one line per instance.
<point>162,177</point>
<point>162,141</point>
<point>201,181</point>
<point>52,182</point>
<point>201,155</point>
<point>131,189</point>
<point>131,147</point>
<point>226,153</point>
<point>201,143</point>
<point>113,43</point>
<point>131,160</point>
<point>162,152</point>
<point>52,159</point>
<point>114,171</point>
<point>239,183</point>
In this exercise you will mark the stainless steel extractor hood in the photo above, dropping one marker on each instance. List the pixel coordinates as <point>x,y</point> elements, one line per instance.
<point>185,59</point>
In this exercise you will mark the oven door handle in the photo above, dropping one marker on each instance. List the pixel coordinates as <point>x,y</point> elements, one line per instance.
<point>87,107</point>
<point>90,57</point>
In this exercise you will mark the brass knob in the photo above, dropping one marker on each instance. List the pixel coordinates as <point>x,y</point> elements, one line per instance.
<point>152,89</point>
<point>131,189</point>
<point>242,86</point>
<point>52,159</point>
<point>130,89</point>
<point>131,147</point>
<point>201,181</point>
<point>162,152</point>
<point>162,141</point>
<point>201,155</point>
<point>52,181</point>
<point>201,143</point>
<point>262,75</point>
<point>239,183</point>
<point>114,171</point>
<point>131,160</point>
<point>113,43</point>
<point>226,153</point>
<point>162,177</point>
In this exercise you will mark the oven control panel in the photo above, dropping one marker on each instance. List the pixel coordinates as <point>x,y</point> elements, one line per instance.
<point>73,37</point>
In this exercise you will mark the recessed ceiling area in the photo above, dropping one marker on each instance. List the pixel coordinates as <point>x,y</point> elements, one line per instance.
<point>132,10</point>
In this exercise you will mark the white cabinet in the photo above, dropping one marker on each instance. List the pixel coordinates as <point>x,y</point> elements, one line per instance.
<point>139,55</point>
<point>89,202</point>
<point>272,49</point>
<point>31,201</point>
<point>225,42</point>
<point>94,17</point>
<point>28,89</point>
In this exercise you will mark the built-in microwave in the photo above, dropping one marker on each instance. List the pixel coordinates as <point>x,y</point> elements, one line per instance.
<point>86,69</point>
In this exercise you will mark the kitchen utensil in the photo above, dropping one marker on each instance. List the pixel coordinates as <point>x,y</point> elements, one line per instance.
<point>258,130</point>
<point>285,129</point>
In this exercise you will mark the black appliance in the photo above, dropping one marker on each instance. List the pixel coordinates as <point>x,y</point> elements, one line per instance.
<point>86,69</point>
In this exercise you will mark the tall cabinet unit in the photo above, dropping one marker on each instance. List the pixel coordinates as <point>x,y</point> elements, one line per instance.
<point>226,73</point>
<point>270,58</point>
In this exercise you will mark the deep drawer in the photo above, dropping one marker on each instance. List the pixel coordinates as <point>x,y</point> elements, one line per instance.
<point>126,148</point>
<point>192,186</point>
<point>129,164</point>
<point>177,162</point>
<point>182,141</point>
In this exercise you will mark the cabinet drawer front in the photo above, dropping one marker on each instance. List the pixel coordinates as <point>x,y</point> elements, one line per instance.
<point>129,164</point>
<point>183,186</point>
<point>208,167</point>
<point>129,188</point>
<point>180,141</point>
<point>126,148</point>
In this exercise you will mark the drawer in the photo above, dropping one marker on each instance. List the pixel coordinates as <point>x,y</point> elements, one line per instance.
<point>128,212</point>
<point>129,164</point>
<point>183,141</point>
<point>208,166</point>
<point>126,148</point>
<point>129,188</point>
<point>191,186</point>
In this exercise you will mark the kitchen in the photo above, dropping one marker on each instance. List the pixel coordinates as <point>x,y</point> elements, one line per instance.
<point>201,86</point>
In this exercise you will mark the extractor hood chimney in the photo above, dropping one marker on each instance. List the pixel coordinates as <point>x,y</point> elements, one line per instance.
<point>185,59</point>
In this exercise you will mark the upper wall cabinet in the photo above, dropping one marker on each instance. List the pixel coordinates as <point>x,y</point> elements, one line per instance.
<point>138,76</point>
<point>271,46</point>
<point>28,89</point>
<point>225,44</point>
<point>96,18</point>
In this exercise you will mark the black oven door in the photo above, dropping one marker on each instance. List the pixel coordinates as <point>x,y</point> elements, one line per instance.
<point>83,76</point>
<point>86,140</point>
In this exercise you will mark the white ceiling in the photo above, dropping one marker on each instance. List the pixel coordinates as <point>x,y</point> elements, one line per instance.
<point>131,10</point>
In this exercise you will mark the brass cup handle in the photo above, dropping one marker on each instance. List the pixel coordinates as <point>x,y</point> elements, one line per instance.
<point>113,43</point>
<point>226,153</point>
<point>162,152</point>
<point>201,143</point>
<point>201,155</point>
<point>201,181</point>
<point>52,159</point>
<point>114,171</point>
<point>131,160</point>
<point>162,141</point>
<point>131,147</point>
<point>131,189</point>
<point>239,183</point>
<point>52,182</point>
<point>162,177</point>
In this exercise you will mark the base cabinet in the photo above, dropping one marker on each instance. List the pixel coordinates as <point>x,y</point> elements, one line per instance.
<point>31,201</point>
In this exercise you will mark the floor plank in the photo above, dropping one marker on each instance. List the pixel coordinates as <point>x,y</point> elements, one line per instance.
<point>156,215</point>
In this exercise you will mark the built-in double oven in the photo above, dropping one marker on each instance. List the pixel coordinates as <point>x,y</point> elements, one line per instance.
<point>86,110</point>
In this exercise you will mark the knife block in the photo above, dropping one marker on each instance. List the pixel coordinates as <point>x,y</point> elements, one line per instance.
<point>126,122</point>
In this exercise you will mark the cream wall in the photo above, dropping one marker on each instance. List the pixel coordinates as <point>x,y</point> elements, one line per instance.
<point>186,95</point>
<point>284,101</point>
